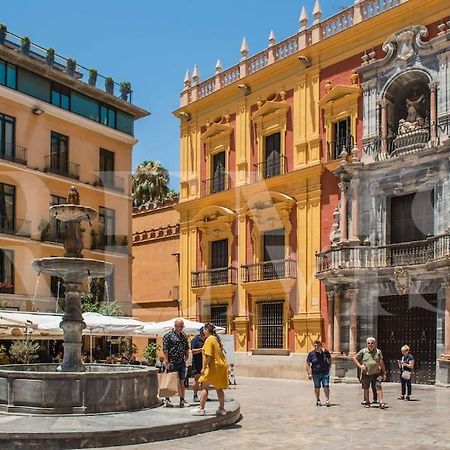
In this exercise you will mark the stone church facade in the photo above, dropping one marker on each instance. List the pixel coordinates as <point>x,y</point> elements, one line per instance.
<point>387,269</point>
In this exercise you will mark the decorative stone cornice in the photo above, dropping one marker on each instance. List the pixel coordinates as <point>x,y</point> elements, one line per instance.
<point>156,234</point>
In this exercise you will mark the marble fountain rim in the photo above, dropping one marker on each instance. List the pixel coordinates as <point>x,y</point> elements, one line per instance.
<point>80,266</point>
<point>69,212</point>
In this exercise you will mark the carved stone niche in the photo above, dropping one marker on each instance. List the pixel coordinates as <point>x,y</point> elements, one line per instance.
<point>270,211</point>
<point>214,223</point>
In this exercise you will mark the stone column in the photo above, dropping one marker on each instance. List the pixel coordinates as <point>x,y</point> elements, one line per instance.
<point>355,211</point>
<point>446,354</point>
<point>72,324</point>
<point>343,186</point>
<point>337,323</point>
<point>330,326</point>
<point>433,111</point>
<point>353,339</point>
<point>384,127</point>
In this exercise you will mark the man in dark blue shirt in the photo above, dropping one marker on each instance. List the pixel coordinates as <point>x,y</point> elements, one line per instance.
<point>197,359</point>
<point>318,363</point>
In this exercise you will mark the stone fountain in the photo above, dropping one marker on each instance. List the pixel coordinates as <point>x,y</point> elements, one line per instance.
<point>74,387</point>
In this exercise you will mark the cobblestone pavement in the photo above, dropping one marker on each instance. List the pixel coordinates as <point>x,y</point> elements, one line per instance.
<point>282,414</point>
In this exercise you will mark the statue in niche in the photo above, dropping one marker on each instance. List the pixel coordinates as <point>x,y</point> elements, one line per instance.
<point>335,235</point>
<point>413,119</point>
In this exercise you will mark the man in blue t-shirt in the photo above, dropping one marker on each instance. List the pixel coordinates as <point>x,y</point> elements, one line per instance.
<point>197,362</point>
<point>318,363</point>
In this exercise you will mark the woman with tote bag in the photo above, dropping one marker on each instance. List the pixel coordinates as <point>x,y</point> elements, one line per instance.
<point>406,365</point>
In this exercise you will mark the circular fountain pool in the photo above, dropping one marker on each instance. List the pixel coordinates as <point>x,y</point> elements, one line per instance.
<point>41,389</point>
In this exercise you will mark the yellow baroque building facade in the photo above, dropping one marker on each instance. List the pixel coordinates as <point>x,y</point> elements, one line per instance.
<point>259,143</point>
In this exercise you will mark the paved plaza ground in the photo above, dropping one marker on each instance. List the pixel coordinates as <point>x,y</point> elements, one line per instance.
<point>282,414</point>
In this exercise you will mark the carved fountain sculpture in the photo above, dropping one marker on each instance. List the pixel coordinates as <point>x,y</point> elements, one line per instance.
<point>74,387</point>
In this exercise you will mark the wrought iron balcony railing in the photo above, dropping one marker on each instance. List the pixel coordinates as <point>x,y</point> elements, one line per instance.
<point>214,277</point>
<point>54,233</point>
<point>269,270</point>
<point>218,183</point>
<point>110,181</point>
<point>429,250</point>
<point>110,243</point>
<point>15,227</point>
<point>336,147</point>
<point>13,153</point>
<point>269,169</point>
<point>62,167</point>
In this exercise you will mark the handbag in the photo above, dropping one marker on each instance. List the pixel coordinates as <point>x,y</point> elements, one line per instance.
<point>406,374</point>
<point>168,384</point>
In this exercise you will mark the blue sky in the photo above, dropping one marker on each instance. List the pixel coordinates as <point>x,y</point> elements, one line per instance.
<point>152,43</point>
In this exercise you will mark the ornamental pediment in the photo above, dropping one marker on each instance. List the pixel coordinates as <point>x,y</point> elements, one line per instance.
<point>217,130</point>
<point>340,92</point>
<point>269,108</point>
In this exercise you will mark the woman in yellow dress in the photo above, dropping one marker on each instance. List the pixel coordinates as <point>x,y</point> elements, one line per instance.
<point>214,370</point>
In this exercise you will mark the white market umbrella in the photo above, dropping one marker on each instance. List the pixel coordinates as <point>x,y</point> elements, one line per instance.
<point>190,327</point>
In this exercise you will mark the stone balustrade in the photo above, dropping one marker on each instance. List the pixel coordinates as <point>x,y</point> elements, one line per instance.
<point>433,249</point>
<point>362,10</point>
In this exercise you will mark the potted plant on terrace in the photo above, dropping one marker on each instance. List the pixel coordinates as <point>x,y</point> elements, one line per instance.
<point>50,57</point>
<point>150,353</point>
<point>71,65</point>
<point>125,89</point>
<point>92,80</point>
<point>109,85</point>
<point>25,45</point>
<point>3,31</point>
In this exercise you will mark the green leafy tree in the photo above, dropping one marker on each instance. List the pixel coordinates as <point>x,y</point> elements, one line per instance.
<point>24,351</point>
<point>150,183</point>
<point>126,347</point>
<point>91,303</point>
<point>151,351</point>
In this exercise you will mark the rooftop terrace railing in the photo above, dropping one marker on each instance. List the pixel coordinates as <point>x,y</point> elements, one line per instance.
<point>67,65</point>
<point>194,89</point>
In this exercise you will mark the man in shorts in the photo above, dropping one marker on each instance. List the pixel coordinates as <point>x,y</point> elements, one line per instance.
<point>176,353</point>
<point>197,360</point>
<point>318,363</point>
<point>370,361</point>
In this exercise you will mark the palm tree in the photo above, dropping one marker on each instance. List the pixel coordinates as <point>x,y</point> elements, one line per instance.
<point>150,183</point>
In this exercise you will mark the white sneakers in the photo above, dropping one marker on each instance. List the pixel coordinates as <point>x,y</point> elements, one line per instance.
<point>202,412</point>
<point>198,412</point>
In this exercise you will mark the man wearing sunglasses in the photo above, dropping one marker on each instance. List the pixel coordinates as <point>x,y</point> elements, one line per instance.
<point>370,361</point>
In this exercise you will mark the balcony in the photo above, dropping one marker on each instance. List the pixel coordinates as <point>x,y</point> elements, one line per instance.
<point>15,227</point>
<point>429,253</point>
<point>110,181</point>
<point>335,147</point>
<point>52,233</point>
<point>213,277</point>
<point>62,167</point>
<point>109,243</point>
<point>219,183</point>
<point>269,169</point>
<point>269,270</point>
<point>13,153</point>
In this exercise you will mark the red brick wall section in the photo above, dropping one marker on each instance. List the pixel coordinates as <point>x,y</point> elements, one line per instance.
<point>289,131</point>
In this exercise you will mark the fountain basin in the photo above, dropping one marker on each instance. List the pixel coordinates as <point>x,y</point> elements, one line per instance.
<point>70,268</point>
<point>72,213</point>
<point>41,389</point>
